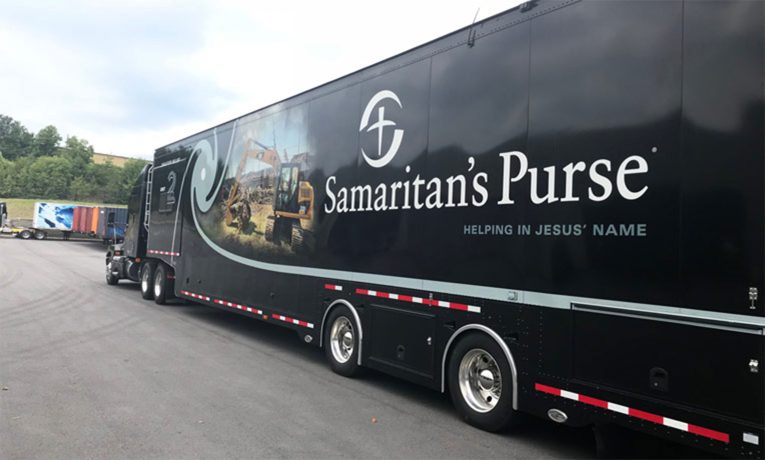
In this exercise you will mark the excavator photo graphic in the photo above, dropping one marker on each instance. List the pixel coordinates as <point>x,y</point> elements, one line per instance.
<point>280,186</point>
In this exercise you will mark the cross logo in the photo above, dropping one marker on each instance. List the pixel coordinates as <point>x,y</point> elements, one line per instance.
<point>380,125</point>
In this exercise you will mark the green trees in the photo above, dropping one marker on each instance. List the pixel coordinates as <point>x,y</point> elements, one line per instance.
<point>38,166</point>
<point>50,177</point>
<point>46,142</point>
<point>15,140</point>
<point>78,152</point>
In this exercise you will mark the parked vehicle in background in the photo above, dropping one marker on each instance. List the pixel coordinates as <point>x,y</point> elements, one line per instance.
<point>105,223</point>
<point>557,211</point>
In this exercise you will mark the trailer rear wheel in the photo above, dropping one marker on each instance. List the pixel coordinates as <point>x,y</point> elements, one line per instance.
<point>40,235</point>
<point>161,284</point>
<point>341,342</point>
<point>147,280</point>
<point>480,382</point>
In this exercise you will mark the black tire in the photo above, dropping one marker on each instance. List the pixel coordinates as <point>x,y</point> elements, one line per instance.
<point>347,366</point>
<point>161,284</point>
<point>488,410</point>
<point>269,234</point>
<point>111,280</point>
<point>147,280</point>
<point>25,234</point>
<point>40,235</point>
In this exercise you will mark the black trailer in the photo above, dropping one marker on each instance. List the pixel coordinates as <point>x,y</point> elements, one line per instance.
<point>558,210</point>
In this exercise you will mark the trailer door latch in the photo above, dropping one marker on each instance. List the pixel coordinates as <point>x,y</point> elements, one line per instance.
<point>753,293</point>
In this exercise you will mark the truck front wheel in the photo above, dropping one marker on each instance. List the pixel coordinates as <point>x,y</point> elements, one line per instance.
<point>480,383</point>
<point>147,280</point>
<point>111,279</point>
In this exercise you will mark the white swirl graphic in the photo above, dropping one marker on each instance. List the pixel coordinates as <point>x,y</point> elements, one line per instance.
<point>203,174</point>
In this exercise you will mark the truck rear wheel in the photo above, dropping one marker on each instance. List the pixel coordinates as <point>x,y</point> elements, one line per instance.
<point>40,235</point>
<point>25,234</point>
<point>147,280</point>
<point>161,284</point>
<point>341,342</point>
<point>480,382</point>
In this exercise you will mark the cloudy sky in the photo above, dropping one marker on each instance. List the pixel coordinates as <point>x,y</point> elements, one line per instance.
<point>133,76</point>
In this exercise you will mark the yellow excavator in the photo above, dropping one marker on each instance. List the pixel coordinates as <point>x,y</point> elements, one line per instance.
<point>293,198</point>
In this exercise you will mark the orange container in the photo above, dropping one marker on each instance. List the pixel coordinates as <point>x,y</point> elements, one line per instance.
<point>94,220</point>
<point>81,221</point>
<point>86,220</point>
<point>77,218</point>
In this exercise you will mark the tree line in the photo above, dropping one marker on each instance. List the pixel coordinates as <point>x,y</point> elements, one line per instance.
<point>43,165</point>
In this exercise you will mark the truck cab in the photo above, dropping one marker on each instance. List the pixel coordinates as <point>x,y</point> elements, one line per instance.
<point>123,259</point>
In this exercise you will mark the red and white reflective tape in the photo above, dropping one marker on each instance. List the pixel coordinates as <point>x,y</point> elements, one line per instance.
<point>333,287</point>
<point>658,419</point>
<point>420,300</point>
<point>258,311</point>
<point>196,296</point>
<point>164,253</point>
<point>226,303</point>
<point>287,319</point>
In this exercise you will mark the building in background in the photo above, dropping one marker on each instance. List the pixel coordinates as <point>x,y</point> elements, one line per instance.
<point>116,160</point>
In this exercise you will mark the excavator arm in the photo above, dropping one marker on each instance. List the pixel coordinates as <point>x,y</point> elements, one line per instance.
<point>256,151</point>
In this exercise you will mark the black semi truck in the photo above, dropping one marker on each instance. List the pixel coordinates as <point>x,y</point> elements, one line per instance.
<point>558,211</point>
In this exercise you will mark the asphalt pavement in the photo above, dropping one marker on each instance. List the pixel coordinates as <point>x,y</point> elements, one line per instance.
<point>93,371</point>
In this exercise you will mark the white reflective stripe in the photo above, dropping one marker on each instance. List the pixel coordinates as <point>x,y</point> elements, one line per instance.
<point>310,325</point>
<point>338,288</point>
<point>751,438</point>
<point>672,423</point>
<point>618,408</point>
<point>569,395</point>
<point>393,296</point>
<point>441,303</point>
<point>417,299</point>
<point>372,293</point>
<point>474,309</point>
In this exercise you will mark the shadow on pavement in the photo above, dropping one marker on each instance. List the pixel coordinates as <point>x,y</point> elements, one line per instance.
<point>568,442</point>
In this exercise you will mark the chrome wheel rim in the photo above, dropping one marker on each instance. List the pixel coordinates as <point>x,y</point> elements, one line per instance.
<point>480,380</point>
<point>145,281</point>
<point>157,284</point>
<point>341,339</point>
